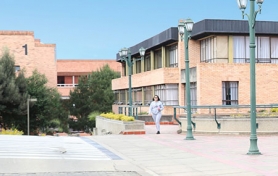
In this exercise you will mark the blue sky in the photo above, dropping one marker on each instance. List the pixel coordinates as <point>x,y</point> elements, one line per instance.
<point>98,29</point>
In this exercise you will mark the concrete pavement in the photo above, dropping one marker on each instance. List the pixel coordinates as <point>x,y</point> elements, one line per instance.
<point>146,155</point>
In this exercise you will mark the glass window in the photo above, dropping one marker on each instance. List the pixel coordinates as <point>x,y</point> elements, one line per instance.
<point>172,56</point>
<point>229,93</point>
<point>122,97</point>
<point>241,49</point>
<point>148,95</point>
<point>138,66</point>
<point>116,97</point>
<point>124,69</point>
<point>263,45</point>
<point>147,63</point>
<point>208,50</point>
<point>16,68</point>
<point>137,96</point>
<point>157,59</point>
<point>274,50</point>
<point>168,93</point>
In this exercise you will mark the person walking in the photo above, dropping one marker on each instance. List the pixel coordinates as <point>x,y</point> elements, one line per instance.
<point>156,107</point>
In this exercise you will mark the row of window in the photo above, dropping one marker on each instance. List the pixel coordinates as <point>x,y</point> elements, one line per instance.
<point>171,59</point>
<point>168,94</point>
<point>266,49</point>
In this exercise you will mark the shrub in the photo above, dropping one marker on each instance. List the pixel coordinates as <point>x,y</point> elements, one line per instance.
<point>117,116</point>
<point>11,132</point>
<point>274,109</point>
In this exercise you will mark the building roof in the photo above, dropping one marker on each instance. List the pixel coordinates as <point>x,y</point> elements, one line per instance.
<point>209,27</point>
<point>81,67</point>
<point>203,29</point>
<point>168,36</point>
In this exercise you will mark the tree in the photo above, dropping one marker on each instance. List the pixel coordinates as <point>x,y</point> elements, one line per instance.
<point>47,112</point>
<point>13,93</point>
<point>94,93</point>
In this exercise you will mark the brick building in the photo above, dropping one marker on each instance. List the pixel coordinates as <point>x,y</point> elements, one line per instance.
<point>30,54</point>
<point>68,72</point>
<point>219,66</point>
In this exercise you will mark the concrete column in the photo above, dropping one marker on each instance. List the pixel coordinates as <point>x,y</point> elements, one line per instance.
<point>163,56</point>
<point>152,60</point>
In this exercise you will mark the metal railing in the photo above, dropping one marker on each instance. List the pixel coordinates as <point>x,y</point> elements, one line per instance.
<point>214,107</point>
<point>123,109</point>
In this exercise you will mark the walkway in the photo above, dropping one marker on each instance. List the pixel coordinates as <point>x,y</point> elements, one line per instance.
<point>166,154</point>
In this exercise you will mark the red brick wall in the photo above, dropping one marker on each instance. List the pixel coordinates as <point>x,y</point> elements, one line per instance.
<point>40,56</point>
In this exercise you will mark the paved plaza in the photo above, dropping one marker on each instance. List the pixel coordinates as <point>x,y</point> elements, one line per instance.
<point>166,154</point>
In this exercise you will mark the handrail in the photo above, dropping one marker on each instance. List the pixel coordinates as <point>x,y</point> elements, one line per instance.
<point>134,110</point>
<point>220,107</point>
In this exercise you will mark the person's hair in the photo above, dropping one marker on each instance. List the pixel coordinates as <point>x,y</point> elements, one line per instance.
<point>158,99</point>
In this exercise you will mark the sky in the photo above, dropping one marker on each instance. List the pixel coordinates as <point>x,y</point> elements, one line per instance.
<point>98,29</point>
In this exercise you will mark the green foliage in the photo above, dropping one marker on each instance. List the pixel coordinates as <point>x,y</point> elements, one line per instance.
<point>13,93</point>
<point>92,116</point>
<point>113,116</point>
<point>274,109</point>
<point>93,94</point>
<point>48,111</point>
<point>11,132</point>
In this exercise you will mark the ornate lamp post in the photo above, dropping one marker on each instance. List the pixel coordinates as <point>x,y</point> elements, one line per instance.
<point>253,150</point>
<point>185,29</point>
<point>125,55</point>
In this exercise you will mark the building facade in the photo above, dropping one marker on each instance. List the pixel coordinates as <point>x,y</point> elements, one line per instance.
<point>69,71</point>
<point>30,54</point>
<point>219,67</point>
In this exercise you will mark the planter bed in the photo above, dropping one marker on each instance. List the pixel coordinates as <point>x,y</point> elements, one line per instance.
<point>108,126</point>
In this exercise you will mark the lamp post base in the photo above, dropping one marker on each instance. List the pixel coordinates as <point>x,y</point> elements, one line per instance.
<point>253,150</point>
<point>189,135</point>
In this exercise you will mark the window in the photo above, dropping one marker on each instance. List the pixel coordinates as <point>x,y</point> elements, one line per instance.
<point>148,95</point>
<point>208,50</point>
<point>137,96</point>
<point>122,97</point>
<point>157,59</point>
<point>168,93</point>
<point>61,80</point>
<point>116,97</point>
<point>147,63</point>
<point>240,51</point>
<point>193,93</point>
<point>274,50</point>
<point>16,68</point>
<point>263,50</point>
<point>229,93</point>
<point>138,66</point>
<point>124,69</point>
<point>263,45</point>
<point>172,56</point>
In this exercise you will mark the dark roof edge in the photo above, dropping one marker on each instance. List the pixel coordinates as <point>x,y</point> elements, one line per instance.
<point>170,34</point>
<point>208,27</point>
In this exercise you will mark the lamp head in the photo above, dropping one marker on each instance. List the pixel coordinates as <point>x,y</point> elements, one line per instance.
<point>181,28</point>
<point>189,25</point>
<point>123,52</point>
<point>120,53</point>
<point>259,2</point>
<point>242,4</point>
<point>142,51</point>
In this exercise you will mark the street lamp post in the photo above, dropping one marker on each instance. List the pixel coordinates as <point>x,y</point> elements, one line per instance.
<point>185,29</point>
<point>28,118</point>
<point>125,55</point>
<point>253,150</point>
